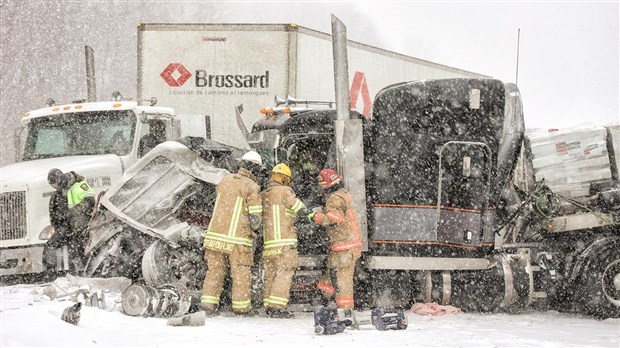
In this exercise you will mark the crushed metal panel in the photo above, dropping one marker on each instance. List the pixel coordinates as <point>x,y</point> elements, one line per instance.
<point>149,193</point>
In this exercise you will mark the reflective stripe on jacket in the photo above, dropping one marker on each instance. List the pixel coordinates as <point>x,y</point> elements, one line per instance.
<point>280,208</point>
<point>341,222</point>
<point>238,195</point>
<point>77,192</point>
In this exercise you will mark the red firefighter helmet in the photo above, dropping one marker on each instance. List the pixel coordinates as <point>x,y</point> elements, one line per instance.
<point>328,178</point>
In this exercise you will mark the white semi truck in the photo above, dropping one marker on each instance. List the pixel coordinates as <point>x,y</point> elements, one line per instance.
<point>98,140</point>
<point>199,71</point>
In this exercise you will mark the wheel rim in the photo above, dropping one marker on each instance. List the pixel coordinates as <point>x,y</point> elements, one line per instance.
<point>611,282</point>
<point>162,264</point>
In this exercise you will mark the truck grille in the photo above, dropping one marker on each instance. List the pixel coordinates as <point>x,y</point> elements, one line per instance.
<point>13,215</point>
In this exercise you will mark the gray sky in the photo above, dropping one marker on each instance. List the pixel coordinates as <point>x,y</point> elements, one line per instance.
<point>568,56</point>
<point>568,66</point>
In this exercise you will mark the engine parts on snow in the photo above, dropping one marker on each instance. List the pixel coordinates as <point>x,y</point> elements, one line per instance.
<point>193,319</point>
<point>165,301</point>
<point>90,299</point>
<point>72,314</point>
<point>389,319</point>
<point>328,322</point>
<point>332,320</point>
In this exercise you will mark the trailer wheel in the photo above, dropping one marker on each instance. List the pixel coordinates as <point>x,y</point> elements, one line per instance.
<point>598,289</point>
<point>164,264</point>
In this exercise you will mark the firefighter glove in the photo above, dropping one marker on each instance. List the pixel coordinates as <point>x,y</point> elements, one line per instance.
<point>311,216</point>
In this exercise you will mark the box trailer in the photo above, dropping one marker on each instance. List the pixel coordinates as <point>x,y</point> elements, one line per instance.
<point>208,68</point>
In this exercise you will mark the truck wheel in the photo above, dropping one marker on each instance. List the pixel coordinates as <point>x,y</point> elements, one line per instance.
<point>391,289</point>
<point>598,289</point>
<point>163,264</point>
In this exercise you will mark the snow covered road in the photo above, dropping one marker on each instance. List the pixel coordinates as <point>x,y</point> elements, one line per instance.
<point>30,318</point>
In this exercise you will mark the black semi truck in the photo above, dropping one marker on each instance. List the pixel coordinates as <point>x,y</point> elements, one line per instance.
<point>442,174</point>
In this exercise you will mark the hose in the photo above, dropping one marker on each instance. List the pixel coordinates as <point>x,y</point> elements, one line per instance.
<point>547,203</point>
<point>530,197</point>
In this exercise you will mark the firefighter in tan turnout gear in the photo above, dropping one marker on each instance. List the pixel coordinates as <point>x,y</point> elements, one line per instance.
<point>280,257</point>
<point>341,222</point>
<point>229,241</point>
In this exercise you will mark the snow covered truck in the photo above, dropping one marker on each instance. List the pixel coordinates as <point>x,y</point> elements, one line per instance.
<point>462,207</point>
<point>98,140</point>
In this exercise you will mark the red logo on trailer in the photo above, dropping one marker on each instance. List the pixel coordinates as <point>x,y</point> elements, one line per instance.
<point>358,86</point>
<point>184,75</point>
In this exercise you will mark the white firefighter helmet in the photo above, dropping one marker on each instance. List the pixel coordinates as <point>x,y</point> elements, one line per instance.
<point>252,156</point>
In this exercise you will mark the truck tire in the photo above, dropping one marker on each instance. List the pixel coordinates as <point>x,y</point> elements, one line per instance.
<point>391,289</point>
<point>164,264</point>
<point>597,291</point>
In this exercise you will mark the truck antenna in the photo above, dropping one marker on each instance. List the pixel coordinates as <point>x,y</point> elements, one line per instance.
<point>91,88</point>
<point>518,40</point>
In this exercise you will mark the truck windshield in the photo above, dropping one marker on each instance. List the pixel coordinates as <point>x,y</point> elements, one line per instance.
<point>84,133</point>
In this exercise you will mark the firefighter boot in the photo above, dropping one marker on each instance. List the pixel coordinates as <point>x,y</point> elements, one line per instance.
<point>250,313</point>
<point>279,313</point>
<point>209,311</point>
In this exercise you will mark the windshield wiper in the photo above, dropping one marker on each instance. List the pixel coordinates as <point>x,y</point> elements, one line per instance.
<point>40,156</point>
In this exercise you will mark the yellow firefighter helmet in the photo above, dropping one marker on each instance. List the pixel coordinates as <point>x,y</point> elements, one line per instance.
<point>281,173</point>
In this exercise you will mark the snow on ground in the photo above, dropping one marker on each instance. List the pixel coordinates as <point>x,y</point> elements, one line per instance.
<point>29,317</point>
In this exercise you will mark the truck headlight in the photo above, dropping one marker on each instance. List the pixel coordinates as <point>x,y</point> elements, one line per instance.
<point>47,233</point>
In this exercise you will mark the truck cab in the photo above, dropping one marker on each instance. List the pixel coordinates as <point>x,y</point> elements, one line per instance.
<point>434,164</point>
<point>98,140</point>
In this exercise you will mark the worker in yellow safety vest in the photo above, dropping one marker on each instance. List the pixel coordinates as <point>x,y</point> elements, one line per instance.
<point>70,209</point>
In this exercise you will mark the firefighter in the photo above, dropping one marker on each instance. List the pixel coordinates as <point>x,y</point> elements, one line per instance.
<point>70,209</point>
<point>341,222</point>
<point>229,241</point>
<point>280,257</point>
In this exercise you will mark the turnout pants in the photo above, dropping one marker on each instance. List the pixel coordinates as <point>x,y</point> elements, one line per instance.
<point>240,260</point>
<point>338,282</point>
<point>279,270</point>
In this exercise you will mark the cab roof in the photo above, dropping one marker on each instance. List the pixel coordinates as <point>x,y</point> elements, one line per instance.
<point>95,106</point>
<point>319,121</point>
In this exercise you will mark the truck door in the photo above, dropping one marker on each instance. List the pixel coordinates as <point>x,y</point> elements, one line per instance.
<point>463,192</point>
